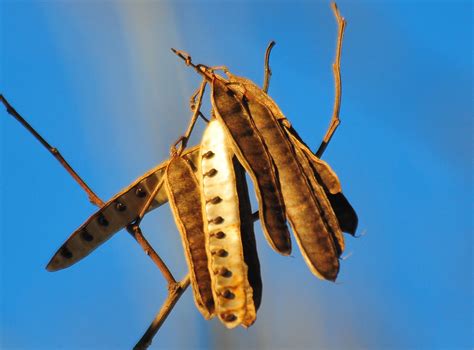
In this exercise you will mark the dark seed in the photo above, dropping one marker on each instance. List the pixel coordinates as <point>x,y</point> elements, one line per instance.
<point>102,221</point>
<point>229,317</point>
<point>221,252</point>
<point>228,294</point>
<point>215,200</point>
<point>224,272</point>
<point>140,192</point>
<point>208,154</point>
<point>86,236</point>
<point>65,252</point>
<point>220,235</point>
<point>120,206</point>
<point>217,220</point>
<point>211,173</point>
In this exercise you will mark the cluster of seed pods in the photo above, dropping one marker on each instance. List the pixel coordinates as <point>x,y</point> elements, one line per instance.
<point>208,194</point>
<point>206,186</point>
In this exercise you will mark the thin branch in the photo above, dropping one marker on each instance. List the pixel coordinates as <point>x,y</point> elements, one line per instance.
<point>203,117</point>
<point>93,198</point>
<point>175,289</point>
<point>201,69</point>
<point>196,108</point>
<point>268,72</point>
<point>136,232</point>
<point>174,294</point>
<point>150,200</point>
<point>335,121</point>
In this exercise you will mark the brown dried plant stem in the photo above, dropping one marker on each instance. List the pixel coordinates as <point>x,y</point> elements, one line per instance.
<point>267,70</point>
<point>93,198</point>
<point>175,289</point>
<point>336,67</point>
<point>196,108</point>
<point>174,293</point>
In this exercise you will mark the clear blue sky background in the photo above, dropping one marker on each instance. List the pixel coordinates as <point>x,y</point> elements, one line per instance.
<point>97,79</point>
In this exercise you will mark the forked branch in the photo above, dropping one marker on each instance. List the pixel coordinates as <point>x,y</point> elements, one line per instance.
<point>175,289</point>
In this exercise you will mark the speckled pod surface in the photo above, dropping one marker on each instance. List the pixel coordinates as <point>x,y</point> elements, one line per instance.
<point>325,175</point>
<point>254,156</point>
<point>184,195</point>
<point>116,214</point>
<point>315,231</point>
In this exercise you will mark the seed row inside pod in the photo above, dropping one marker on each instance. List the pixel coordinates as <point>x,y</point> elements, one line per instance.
<point>232,292</point>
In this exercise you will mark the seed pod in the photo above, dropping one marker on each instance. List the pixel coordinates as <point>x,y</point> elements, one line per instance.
<point>230,240</point>
<point>185,201</point>
<point>253,155</point>
<point>345,213</point>
<point>327,211</point>
<point>328,177</point>
<point>314,230</point>
<point>118,212</point>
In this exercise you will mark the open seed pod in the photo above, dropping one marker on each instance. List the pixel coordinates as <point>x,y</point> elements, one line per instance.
<point>228,224</point>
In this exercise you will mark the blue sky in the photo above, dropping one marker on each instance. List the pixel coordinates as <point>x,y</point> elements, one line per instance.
<point>97,79</point>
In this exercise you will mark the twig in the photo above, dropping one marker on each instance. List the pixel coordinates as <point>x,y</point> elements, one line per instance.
<point>195,107</point>
<point>199,68</point>
<point>175,289</point>
<point>335,121</point>
<point>268,72</point>
<point>93,198</point>
<point>174,293</point>
<point>136,232</point>
<point>203,117</point>
<point>150,200</point>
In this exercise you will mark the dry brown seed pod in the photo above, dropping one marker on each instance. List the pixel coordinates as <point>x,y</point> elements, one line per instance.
<point>185,201</point>
<point>253,155</point>
<point>328,177</point>
<point>119,211</point>
<point>320,194</point>
<point>345,213</point>
<point>312,219</point>
<point>230,243</point>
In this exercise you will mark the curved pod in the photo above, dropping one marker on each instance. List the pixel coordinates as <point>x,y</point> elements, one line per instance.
<point>345,213</point>
<point>117,213</point>
<point>314,227</point>
<point>327,211</point>
<point>254,156</point>
<point>185,202</point>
